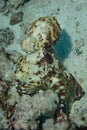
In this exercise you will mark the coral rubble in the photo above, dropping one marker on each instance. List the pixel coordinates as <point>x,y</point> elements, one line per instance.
<point>6,37</point>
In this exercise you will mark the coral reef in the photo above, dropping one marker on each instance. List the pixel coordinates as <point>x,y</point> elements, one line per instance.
<point>49,124</point>
<point>27,115</point>
<point>36,89</point>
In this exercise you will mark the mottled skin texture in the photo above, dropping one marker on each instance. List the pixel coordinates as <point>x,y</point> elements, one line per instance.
<point>40,69</point>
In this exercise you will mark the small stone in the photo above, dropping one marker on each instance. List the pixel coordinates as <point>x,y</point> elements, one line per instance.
<point>16,18</point>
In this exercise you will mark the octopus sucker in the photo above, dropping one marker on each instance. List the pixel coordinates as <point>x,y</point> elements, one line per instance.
<point>40,68</point>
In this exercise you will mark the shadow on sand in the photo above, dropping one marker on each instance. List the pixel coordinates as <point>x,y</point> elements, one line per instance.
<point>63,47</point>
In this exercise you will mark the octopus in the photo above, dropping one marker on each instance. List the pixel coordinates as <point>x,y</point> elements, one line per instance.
<point>41,69</point>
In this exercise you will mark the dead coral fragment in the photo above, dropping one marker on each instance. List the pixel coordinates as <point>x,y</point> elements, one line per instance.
<point>6,36</point>
<point>16,18</point>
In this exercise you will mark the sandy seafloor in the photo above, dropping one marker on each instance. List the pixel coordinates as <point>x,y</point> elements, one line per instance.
<point>72,46</point>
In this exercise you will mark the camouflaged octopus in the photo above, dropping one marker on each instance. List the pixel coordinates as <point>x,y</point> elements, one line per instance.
<point>40,69</point>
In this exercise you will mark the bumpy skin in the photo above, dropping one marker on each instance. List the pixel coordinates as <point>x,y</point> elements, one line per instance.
<point>40,69</point>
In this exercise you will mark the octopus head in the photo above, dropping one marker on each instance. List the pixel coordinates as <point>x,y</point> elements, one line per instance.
<point>44,32</point>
